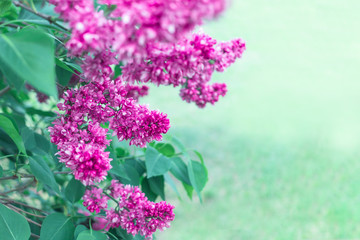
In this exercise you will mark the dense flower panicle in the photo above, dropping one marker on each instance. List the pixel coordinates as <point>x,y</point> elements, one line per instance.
<point>95,200</point>
<point>158,216</point>
<point>129,197</point>
<point>90,32</point>
<point>133,25</point>
<point>189,63</point>
<point>149,37</point>
<point>203,94</point>
<point>100,100</point>
<point>136,214</point>
<point>139,125</point>
<point>88,162</point>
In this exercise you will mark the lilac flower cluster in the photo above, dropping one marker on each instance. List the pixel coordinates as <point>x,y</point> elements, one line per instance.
<point>77,133</point>
<point>189,63</point>
<point>149,37</point>
<point>133,211</point>
<point>142,23</point>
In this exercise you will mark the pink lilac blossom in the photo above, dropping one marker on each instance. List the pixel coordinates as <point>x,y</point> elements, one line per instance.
<point>88,162</point>
<point>148,36</point>
<point>77,133</point>
<point>189,63</point>
<point>136,214</point>
<point>133,25</point>
<point>95,200</point>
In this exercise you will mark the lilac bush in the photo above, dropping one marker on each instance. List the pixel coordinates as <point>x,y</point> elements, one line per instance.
<point>107,54</point>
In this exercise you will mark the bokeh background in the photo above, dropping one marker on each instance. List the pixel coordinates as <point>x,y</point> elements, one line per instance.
<point>283,147</point>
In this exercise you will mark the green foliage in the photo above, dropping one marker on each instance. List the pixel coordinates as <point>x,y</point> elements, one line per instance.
<point>156,163</point>
<point>18,51</point>
<point>32,52</point>
<point>165,149</point>
<point>179,170</point>
<point>57,227</point>
<point>43,173</point>
<point>157,185</point>
<point>91,235</point>
<point>78,230</point>
<point>7,125</point>
<point>13,226</point>
<point>198,176</point>
<point>74,190</point>
<point>4,6</point>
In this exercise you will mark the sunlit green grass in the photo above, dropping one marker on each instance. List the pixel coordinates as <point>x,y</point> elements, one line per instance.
<point>283,146</point>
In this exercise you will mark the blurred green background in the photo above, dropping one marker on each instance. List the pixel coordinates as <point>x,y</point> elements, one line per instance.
<point>282,148</point>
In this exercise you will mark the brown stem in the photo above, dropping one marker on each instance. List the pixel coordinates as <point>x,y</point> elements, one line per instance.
<point>27,219</point>
<point>4,90</point>
<point>50,19</point>
<point>28,213</point>
<point>19,188</point>
<point>26,176</point>
<point>16,177</point>
<point>11,25</point>
<point>34,235</point>
<point>8,200</point>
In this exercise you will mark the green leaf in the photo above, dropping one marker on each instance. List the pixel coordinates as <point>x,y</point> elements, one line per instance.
<point>121,152</point>
<point>1,171</point>
<point>79,229</point>
<point>43,173</point>
<point>179,170</point>
<point>13,226</point>
<point>29,55</point>
<point>33,111</point>
<point>126,236</point>
<point>74,190</point>
<point>4,6</point>
<point>132,176</point>
<point>119,170</point>
<point>117,70</point>
<point>10,14</point>
<point>99,235</point>
<point>8,127</point>
<point>165,149</point>
<point>157,185</point>
<point>28,138</point>
<point>63,65</point>
<point>91,235</point>
<point>57,227</point>
<point>63,72</point>
<point>85,236</point>
<point>156,163</point>
<point>145,187</point>
<point>199,156</point>
<point>169,180</point>
<point>139,165</point>
<point>198,176</point>
<point>74,66</point>
<point>42,142</point>
<point>189,190</point>
<point>46,9</point>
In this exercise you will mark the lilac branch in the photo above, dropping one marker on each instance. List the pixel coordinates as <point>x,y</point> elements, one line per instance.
<point>4,90</point>
<point>12,201</point>
<point>50,19</point>
<point>19,188</point>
